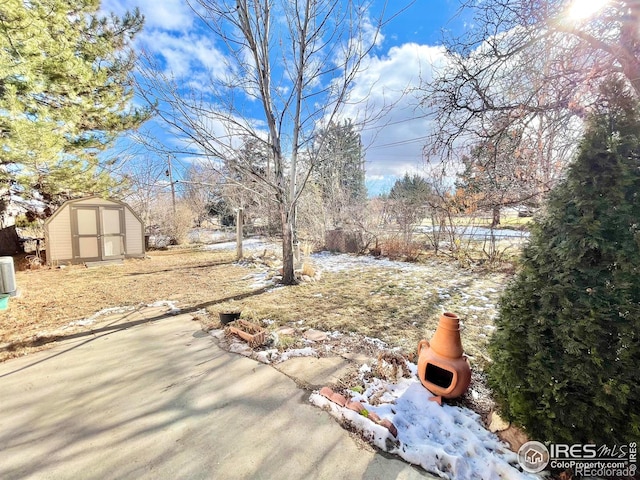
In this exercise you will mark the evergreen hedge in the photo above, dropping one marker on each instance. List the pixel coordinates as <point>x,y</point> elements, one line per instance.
<point>566,350</point>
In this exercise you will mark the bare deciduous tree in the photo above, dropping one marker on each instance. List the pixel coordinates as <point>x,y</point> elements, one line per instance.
<point>199,190</point>
<point>296,61</point>
<point>145,179</point>
<point>501,174</point>
<point>533,65</point>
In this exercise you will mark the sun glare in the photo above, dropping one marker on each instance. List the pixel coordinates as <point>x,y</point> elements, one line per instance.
<point>583,9</point>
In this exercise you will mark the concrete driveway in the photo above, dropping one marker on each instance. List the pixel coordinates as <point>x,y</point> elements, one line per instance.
<point>157,398</point>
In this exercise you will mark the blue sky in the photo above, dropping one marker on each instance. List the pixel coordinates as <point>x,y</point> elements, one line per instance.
<point>409,52</point>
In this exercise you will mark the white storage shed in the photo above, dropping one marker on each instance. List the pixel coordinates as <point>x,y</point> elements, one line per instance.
<point>93,229</point>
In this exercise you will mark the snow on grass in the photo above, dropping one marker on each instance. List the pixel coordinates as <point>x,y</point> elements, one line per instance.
<point>297,352</point>
<point>455,288</point>
<point>338,262</point>
<point>440,283</point>
<point>414,293</point>
<point>248,244</point>
<point>266,356</point>
<point>446,440</point>
<point>376,342</point>
<point>262,277</point>
<point>444,284</point>
<point>259,279</point>
<point>173,309</point>
<point>105,311</point>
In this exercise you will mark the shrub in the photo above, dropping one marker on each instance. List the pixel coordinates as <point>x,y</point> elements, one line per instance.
<point>23,222</point>
<point>175,226</point>
<point>397,248</point>
<point>567,345</point>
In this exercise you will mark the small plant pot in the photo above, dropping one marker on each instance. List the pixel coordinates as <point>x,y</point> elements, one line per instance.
<point>228,317</point>
<point>4,301</point>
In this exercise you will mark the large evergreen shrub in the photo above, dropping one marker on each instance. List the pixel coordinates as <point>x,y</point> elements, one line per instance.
<point>567,348</point>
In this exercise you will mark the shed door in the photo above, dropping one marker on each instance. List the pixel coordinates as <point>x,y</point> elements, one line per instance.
<point>98,233</point>
<point>112,220</point>
<point>84,221</point>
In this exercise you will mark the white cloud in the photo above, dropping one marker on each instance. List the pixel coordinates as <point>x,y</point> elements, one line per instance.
<point>387,89</point>
<point>185,56</point>
<point>170,32</point>
<point>174,15</point>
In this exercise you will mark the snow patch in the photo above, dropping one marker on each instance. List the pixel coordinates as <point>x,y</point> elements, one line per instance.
<point>241,348</point>
<point>338,262</point>
<point>266,356</point>
<point>376,342</point>
<point>447,440</point>
<point>298,352</point>
<point>259,279</point>
<point>249,244</point>
<point>166,303</point>
<point>105,311</point>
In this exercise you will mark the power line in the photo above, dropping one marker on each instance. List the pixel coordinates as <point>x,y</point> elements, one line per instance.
<point>410,119</point>
<point>400,142</point>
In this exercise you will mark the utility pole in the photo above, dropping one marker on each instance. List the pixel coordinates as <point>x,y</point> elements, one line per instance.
<point>173,186</point>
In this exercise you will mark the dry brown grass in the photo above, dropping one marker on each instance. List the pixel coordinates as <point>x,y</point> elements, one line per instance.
<point>51,298</point>
<point>396,305</point>
<point>344,302</point>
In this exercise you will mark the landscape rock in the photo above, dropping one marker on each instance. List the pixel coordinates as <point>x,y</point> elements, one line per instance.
<point>326,392</point>
<point>389,426</point>
<point>355,406</point>
<point>338,399</point>
<point>315,335</point>
<point>285,331</point>
<point>497,423</point>
<point>374,417</point>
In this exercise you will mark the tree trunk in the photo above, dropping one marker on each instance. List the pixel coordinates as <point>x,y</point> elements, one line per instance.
<point>288,275</point>
<point>495,221</point>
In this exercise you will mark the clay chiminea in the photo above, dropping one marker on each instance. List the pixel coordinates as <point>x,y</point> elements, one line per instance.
<point>442,367</point>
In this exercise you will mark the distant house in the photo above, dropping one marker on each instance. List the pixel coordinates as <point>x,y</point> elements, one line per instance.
<point>93,229</point>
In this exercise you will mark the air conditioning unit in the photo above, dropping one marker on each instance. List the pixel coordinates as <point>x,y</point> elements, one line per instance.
<point>7,276</point>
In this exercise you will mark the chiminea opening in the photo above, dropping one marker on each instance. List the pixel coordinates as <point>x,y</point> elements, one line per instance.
<point>438,376</point>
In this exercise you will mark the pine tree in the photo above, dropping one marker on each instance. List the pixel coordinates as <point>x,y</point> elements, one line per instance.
<point>409,196</point>
<point>65,95</point>
<point>567,345</point>
<point>339,168</point>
